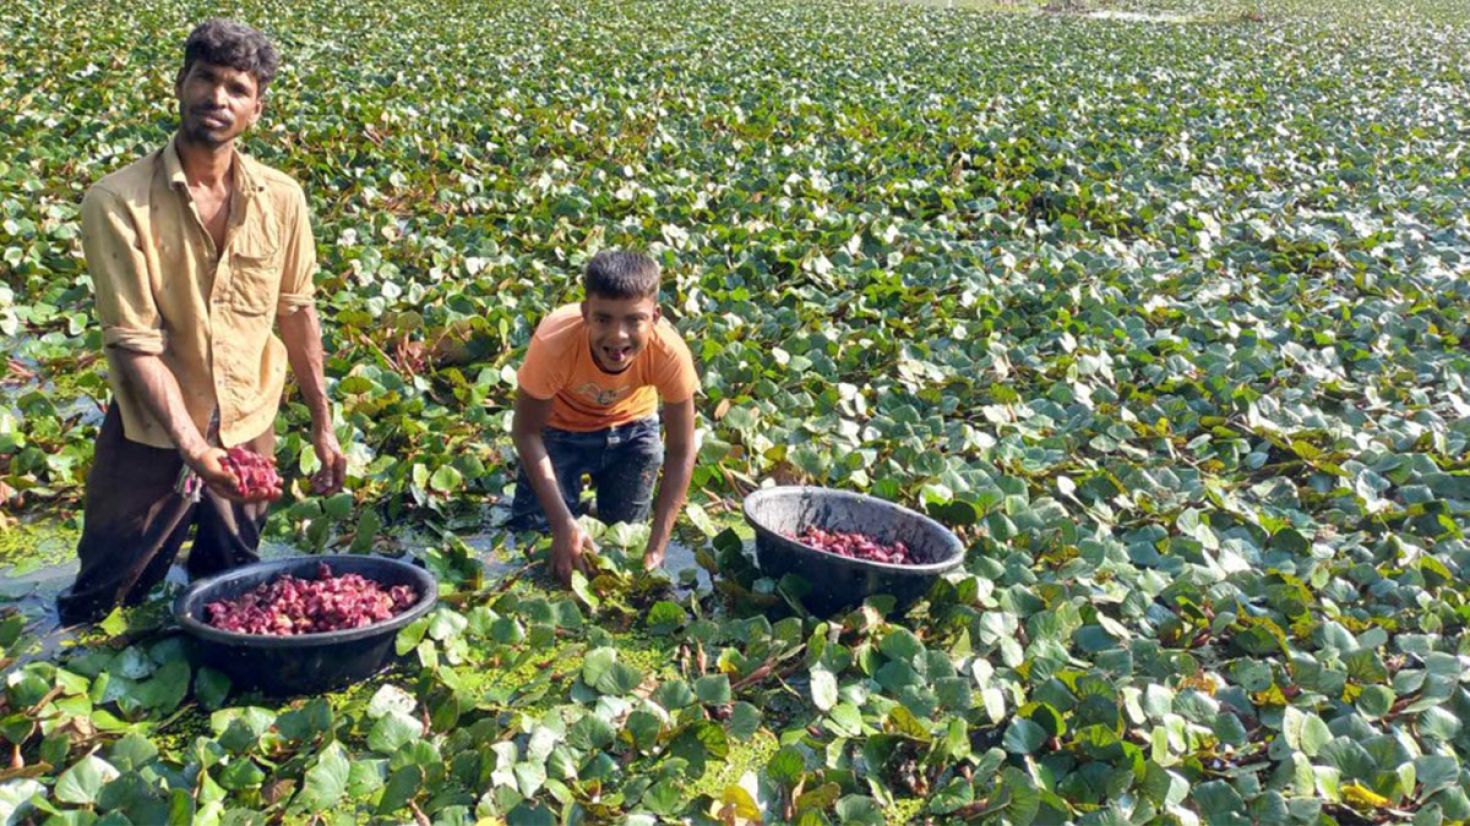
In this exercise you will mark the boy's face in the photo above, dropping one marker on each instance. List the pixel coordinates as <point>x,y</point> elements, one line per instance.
<point>618,329</point>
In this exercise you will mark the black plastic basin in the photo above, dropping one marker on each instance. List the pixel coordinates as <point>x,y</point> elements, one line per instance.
<point>837,581</point>
<point>305,663</point>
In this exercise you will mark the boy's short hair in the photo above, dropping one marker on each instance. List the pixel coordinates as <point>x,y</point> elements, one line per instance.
<point>621,274</point>
<point>228,43</point>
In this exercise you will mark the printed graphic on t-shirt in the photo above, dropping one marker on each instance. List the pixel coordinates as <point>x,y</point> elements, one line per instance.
<point>601,397</point>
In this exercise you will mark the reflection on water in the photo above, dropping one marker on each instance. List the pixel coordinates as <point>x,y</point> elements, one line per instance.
<point>34,594</point>
<point>679,558</point>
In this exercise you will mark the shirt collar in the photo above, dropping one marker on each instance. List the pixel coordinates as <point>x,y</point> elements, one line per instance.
<point>246,181</point>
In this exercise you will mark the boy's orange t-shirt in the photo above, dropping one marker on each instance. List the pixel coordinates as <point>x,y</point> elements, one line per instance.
<point>559,366</point>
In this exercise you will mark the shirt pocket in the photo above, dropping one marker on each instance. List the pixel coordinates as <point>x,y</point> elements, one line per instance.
<point>255,280</point>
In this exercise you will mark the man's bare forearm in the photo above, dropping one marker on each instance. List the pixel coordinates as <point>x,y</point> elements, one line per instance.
<point>301,332</point>
<point>158,389</point>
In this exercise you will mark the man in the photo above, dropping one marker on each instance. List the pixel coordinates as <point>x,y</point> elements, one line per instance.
<point>195,253</point>
<point>587,404</point>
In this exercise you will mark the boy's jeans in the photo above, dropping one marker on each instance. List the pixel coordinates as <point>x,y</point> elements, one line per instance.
<point>623,462</point>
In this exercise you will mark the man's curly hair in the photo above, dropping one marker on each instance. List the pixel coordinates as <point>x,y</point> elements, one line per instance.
<point>228,43</point>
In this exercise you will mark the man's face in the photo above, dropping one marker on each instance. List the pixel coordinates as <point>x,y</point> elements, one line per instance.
<point>618,329</point>
<point>217,103</point>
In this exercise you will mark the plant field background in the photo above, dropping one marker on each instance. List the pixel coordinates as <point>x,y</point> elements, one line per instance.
<point>1167,319</point>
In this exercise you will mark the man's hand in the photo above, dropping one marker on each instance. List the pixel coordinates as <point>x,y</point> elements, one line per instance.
<point>333,473</point>
<point>209,465</point>
<point>568,544</point>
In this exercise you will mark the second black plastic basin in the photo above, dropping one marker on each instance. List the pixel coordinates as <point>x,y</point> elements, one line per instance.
<point>837,581</point>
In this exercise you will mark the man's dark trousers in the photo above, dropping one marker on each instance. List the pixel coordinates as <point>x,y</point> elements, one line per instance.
<point>135,524</point>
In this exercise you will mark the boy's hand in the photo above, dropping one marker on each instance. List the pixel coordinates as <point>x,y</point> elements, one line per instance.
<point>568,545</point>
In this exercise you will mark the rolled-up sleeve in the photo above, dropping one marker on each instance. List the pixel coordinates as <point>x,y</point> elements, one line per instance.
<point>298,267</point>
<point>125,305</point>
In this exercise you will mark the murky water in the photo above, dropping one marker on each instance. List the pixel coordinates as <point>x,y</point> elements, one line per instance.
<point>497,552</point>
<point>31,577</point>
<point>679,558</point>
<point>69,405</point>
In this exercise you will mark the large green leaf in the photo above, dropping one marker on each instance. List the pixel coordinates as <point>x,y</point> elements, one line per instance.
<point>82,782</point>
<point>326,781</point>
<point>392,731</point>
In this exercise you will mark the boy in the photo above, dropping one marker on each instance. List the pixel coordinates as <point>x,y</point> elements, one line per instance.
<point>587,403</point>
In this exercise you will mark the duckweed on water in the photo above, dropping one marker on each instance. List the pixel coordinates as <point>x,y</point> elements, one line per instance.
<point>29,546</point>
